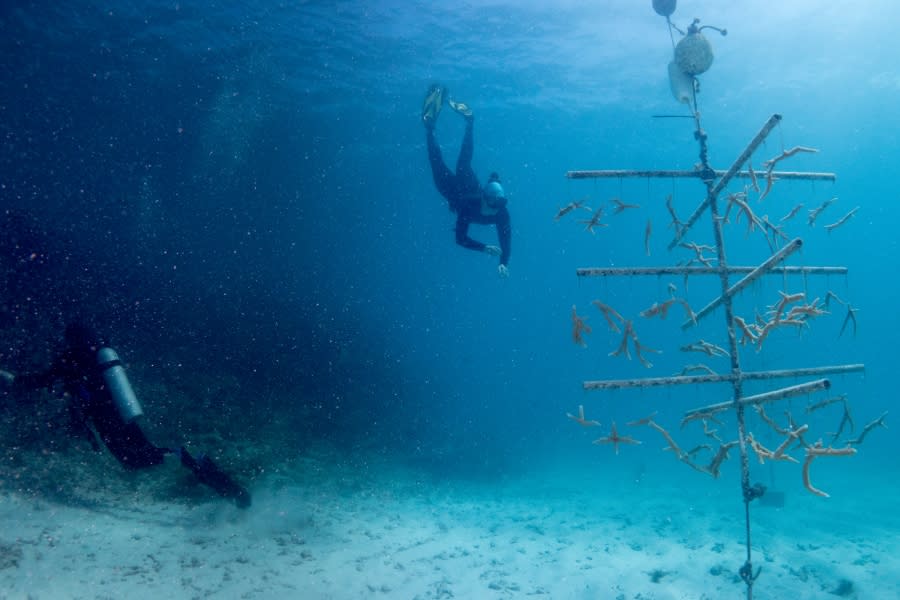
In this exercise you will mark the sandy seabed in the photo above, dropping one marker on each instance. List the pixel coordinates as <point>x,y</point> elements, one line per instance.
<point>330,532</point>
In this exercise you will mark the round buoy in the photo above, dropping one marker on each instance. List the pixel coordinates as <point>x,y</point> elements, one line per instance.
<point>664,8</point>
<point>693,54</point>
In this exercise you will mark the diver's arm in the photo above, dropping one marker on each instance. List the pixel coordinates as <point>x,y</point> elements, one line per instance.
<point>462,235</point>
<point>34,381</point>
<point>18,386</point>
<point>504,235</point>
<point>38,380</point>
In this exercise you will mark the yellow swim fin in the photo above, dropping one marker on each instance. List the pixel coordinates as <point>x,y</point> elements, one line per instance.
<point>431,107</point>
<point>460,107</point>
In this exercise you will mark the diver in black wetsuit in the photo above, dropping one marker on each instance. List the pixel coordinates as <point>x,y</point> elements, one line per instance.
<point>100,396</point>
<point>471,202</point>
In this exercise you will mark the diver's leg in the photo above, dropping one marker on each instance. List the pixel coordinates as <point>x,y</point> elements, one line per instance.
<point>209,473</point>
<point>443,177</point>
<point>464,163</point>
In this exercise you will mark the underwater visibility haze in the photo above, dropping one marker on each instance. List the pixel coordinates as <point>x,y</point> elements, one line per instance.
<point>239,195</point>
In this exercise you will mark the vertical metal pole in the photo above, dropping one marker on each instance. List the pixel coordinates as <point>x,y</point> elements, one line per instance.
<point>712,193</point>
<point>737,386</point>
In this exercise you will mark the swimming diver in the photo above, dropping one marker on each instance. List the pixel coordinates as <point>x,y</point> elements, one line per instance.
<point>471,202</point>
<point>103,404</point>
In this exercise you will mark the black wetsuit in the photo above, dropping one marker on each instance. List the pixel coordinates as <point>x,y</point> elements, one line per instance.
<point>91,403</point>
<point>463,192</point>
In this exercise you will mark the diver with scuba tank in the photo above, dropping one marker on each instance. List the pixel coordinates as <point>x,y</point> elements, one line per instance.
<point>102,404</point>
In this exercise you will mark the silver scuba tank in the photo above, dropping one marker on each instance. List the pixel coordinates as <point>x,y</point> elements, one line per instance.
<point>119,387</point>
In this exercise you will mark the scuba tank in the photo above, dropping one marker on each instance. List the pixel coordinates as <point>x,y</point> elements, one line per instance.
<point>118,385</point>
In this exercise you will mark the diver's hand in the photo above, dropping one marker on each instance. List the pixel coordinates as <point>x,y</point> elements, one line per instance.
<point>492,250</point>
<point>503,271</point>
<point>6,378</point>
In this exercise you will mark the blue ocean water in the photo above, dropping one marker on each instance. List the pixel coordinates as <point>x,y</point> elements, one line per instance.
<point>243,189</point>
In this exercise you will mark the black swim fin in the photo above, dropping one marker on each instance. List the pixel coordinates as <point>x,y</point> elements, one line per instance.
<point>210,474</point>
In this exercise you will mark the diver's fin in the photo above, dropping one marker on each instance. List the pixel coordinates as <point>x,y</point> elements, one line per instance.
<point>210,474</point>
<point>431,107</point>
<point>461,107</point>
